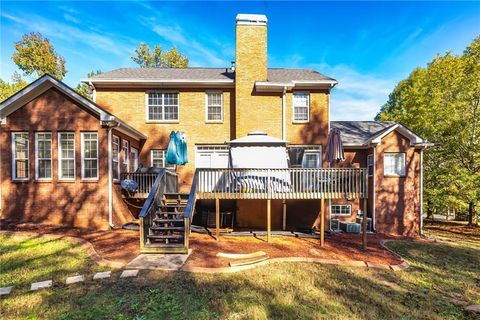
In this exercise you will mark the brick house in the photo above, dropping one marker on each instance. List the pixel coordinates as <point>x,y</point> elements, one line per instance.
<point>214,107</point>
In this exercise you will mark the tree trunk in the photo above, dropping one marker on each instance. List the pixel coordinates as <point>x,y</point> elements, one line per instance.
<point>429,210</point>
<point>471,214</point>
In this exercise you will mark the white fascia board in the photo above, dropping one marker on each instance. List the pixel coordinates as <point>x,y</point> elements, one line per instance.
<point>414,139</point>
<point>270,86</point>
<point>314,83</point>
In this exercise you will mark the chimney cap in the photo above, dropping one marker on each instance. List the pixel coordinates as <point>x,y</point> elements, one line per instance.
<point>252,19</point>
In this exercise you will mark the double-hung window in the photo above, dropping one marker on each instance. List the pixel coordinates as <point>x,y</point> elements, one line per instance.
<point>341,209</point>
<point>89,155</point>
<point>125,155</point>
<point>394,164</point>
<point>134,158</point>
<point>66,155</point>
<point>370,165</point>
<point>162,106</point>
<point>20,162</point>
<point>43,155</point>
<point>158,159</point>
<point>214,106</point>
<point>116,157</point>
<point>301,107</point>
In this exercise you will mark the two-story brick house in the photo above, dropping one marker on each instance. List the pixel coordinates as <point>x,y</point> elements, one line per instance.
<point>212,106</point>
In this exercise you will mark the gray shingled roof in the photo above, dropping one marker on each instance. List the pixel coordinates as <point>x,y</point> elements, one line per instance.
<point>274,74</point>
<point>360,132</point>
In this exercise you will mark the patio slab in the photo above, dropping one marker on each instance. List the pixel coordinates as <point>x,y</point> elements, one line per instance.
<point>159,261</point>
<point>41,285</point>
<point>5,290</point>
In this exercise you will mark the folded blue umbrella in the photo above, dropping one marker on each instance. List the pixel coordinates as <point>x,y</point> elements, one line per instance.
<point>177,149</point>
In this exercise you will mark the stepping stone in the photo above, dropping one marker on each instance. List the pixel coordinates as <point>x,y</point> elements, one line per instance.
<point>41,285</point>
<point>102,275</point>
<point>5,290</point>
<point>75,279</point>
<point>474,308</point>
<point>129,273</point>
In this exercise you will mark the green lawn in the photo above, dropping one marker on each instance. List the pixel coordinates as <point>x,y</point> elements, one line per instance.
<point>444,277</point>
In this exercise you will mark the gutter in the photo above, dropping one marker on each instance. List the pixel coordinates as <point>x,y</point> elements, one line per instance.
<point>284,114</point>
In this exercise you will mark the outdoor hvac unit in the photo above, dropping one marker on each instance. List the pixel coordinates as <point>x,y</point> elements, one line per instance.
<point>350,227</point>
<point>369,223</point>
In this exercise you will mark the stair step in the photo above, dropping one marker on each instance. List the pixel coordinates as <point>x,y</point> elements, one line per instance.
<point>176,206</point>
<point>162,220</point>
<point>169,212</point>
<point>167,228</point>
<point>164,245</point>
<point>164,236</point>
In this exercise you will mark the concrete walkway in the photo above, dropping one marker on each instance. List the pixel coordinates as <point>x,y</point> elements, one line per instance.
<point>159,261</point>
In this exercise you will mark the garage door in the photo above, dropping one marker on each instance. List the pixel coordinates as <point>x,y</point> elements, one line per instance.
<point>211,157</point>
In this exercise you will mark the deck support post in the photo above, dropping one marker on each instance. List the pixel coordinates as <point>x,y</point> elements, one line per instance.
<point>364,225</point>
<point>284,218</point>
<point>269,219</point>
<point>322,222</point>
<point>217,218</point>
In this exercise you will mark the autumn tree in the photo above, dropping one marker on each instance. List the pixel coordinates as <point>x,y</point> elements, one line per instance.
<point>8,89</point>
<point>157,58</point>
<point>85,89</point>
<point>35,56</point>
<point>442,103</point>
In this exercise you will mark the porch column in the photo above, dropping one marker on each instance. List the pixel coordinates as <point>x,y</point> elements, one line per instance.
<point>364,225</point>
<point>284,225</point>
<point>217,218</point>
<point>322,222</point>
<point>269,219</point>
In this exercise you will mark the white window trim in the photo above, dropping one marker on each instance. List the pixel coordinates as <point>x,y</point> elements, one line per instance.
<point>60,158</point>
<point>82,158</point>
<point>341,214</point>
<point>14,162</point>
<point>370,162</point>
<point>126,153</point>
<point>147,120</point>
<point>119,150</point>
<point>37,159</point>
<point>293,107</point>
<point>164,152</point>
<point>404,165</point>
<point>134,161</point>
<point>317,151</point>
<point>221,106</point>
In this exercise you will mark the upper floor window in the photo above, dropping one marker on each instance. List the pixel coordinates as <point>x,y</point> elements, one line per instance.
<point>66,155</point>
<point>116,157</point>
<point>162,106</point>
<point>125,155</point>
<point>301,107</point>
<point>43,155</point>
<point>158,159</point>
<point>20,162</point>
<point>394,164</point>
<point>214,108</point>
<point>89,155</point>
<point>370,165</point>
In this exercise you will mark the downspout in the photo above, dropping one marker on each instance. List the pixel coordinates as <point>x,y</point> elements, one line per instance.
<point>421,191</point>
<point>110,180</point>
<point>284,114</point>
<point>374,182</point>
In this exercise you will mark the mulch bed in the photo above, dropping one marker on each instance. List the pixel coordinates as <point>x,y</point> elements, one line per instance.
<point>123,245</point>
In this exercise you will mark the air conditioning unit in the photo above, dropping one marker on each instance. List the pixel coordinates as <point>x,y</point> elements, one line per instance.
<point>350,227</point>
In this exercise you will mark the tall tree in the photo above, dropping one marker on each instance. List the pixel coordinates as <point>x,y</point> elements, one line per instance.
<point>159,58</point>
<point>35,55</point>
<point>442,103</point>
<point>85,89</point>
<point>7,89</point>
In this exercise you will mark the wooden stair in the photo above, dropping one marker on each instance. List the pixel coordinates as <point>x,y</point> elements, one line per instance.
<point>167,232</point>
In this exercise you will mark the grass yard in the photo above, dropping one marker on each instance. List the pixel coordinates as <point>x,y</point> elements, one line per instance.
<point>443,279</point>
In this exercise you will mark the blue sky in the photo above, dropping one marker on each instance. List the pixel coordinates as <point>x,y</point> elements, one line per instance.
<point>367,46</point>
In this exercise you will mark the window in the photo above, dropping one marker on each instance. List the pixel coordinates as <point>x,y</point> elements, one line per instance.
<point>341,209</point>
<point>66,155</point>
<point>20,163</point>
<point>89,155</point>
<point>162,106</point>
<point>43,155</point>
<point>126,155</point>
<point>394,164</point>
<point>158,159</point>
<point>214,101</point>
<point>115,157</point>
<point>311,159</point>
<point>301,107</point>
<point>134,157</point>
<point>370,165</point>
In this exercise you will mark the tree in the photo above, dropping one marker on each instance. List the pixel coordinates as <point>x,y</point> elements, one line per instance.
<point>35,55</point>
<point>8,89</point>
<point>85,89</point>
<point>442,103</point>
<point>159,58</point>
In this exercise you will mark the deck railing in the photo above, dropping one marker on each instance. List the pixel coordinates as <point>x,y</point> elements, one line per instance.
<point>190,208</point>
<point>144,182</point>
<point>289,183</point>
